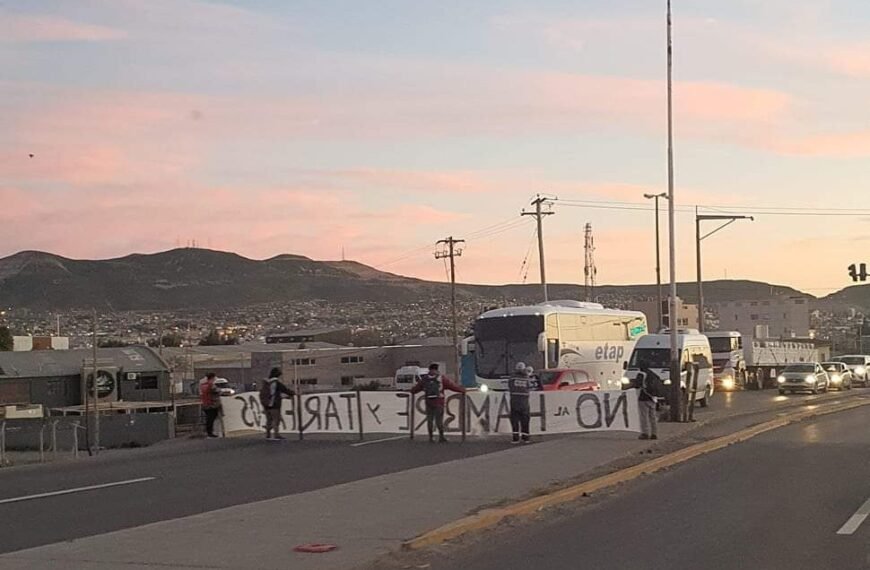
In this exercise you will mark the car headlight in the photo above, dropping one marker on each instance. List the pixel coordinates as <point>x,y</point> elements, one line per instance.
<point>860,371</point>
<point>810,379</point>
<point>625,381</point>
<point>781,379</point>
<point>728,383</point>
<point>484,388</point>
<point>836,378</point>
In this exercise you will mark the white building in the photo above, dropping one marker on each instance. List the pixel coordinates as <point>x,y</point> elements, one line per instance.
<point>779,317</point>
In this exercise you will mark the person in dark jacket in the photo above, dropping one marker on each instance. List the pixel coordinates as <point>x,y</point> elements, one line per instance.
<point>519,386</point>
<point>433,384</point>
<point>271,394</point>
<point>650,388</point>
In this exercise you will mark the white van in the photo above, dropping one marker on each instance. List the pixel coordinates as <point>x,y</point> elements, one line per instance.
<point>694,349</point>
<point>408,376</point>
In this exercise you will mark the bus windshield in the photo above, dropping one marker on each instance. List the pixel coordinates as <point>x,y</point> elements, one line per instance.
<point>723,344</point>
<point>502,342</point>
<point>654,357</point>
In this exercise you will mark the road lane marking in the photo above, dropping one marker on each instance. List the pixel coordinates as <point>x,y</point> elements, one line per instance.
<point>76,490</point>
<point>378,440</point>
<point>856,520</point>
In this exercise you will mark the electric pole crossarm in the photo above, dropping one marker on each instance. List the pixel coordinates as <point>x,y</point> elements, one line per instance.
<point>539,217</point>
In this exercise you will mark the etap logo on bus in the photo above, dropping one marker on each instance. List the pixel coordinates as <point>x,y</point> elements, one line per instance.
<point>608,352</point>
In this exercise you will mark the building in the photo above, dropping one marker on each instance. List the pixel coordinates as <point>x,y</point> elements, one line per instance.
<point>779,317</point>
<point>333,336</point>
<point>687,314</point>
<point>55,378</point>
<point>316,366</point>
<point>25,343</point>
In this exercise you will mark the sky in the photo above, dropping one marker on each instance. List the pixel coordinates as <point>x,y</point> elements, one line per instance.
<point>378,127</point>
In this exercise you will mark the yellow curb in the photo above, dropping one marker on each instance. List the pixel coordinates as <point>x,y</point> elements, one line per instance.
<point>491,517</point>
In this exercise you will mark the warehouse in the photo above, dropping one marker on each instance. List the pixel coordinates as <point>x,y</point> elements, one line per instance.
<point>54,378</point>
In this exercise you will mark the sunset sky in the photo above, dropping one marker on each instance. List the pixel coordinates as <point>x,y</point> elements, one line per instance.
<point>307,126</point>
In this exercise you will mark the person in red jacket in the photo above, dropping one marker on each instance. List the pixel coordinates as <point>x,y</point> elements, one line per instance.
<point>210,399</point>
<point>433,384</point>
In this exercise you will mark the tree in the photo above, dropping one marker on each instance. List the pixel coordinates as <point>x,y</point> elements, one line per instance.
<point>214,338</point>
<point>170,340</point>
<point>5,339</point>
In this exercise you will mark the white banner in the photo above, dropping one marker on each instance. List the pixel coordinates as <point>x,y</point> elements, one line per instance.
<point>390,412</point>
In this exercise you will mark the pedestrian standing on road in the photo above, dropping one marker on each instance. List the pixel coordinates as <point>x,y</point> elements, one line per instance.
<point>519,386</point>
<point>210,399</point>
<point>271,394</point>
<point>433,384</point>
<point>650,388</point>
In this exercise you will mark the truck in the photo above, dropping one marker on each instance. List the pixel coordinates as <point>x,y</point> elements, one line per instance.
<point>740,362</point>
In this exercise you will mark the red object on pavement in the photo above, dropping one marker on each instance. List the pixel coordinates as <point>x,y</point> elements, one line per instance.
<point>315,548</point>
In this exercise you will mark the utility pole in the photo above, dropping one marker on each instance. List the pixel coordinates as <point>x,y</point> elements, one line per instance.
<point>452,249</point>
<point>96,392</point>
<point>676,397</point>
<point>698,239</point>
<point>589,269</point>
<point>539,216</point>
<point>658,257</point>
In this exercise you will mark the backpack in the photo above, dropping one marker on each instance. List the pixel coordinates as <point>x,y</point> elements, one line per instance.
<point>432,386</point>
<point>266,393</point>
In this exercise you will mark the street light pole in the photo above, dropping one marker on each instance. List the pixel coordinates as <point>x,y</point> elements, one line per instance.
<point>676,403</point>
<point>698,239</point>
<point>658,257</point>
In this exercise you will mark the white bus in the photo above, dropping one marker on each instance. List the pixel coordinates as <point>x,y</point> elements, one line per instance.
<point>555,335</point>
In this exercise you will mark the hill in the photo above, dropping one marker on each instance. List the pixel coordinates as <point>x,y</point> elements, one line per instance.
<point>857,296</point>
<point>203,279</point>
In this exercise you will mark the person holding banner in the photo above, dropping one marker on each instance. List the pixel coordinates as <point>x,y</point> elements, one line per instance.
<point>519,386</point>
<point>271,395</point>
<point>210,400</point>
<point>651,388</point>
<point>433,385</point>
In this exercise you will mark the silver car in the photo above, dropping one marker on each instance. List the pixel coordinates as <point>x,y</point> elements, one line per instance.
<point>803,377</point>
<point>859,364</point>
<point>839,375</point>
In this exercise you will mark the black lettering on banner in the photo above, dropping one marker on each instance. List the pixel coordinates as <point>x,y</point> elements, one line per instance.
<point>478,416</point>
<point>420,403</point>
<point>610,413</point>
<point>288,415</point>
<point>331,413</point>
<point>597,403</point>
<point>246,419</point>
<point>350,408</point>
<point>542,412</point>
<point>406,414</point>
<point>373,410</point>
<point>452,412</point>
<point>563,411</point>
<point>504,411</point>
<point>312,406</point>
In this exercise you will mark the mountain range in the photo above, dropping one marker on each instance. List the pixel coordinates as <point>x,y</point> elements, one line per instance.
<point>191,278</point>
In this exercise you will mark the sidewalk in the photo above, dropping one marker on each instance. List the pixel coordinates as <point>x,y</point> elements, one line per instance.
<point>366,519</point>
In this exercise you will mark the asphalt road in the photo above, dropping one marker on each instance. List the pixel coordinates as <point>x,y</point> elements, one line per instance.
<point>195,476</point>
<point>775,502</point>
<point>192,477</point>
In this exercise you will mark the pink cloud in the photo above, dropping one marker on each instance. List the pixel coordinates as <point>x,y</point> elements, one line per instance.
<point>23,28</point>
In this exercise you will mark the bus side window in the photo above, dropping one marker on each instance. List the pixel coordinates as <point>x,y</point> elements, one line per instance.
<point>552,353</point>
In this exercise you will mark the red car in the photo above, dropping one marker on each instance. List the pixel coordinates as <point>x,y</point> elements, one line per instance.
<point>563,379</point>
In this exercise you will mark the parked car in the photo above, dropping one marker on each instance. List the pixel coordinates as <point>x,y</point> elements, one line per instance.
<point>859,364</point>
<point>565,379</point>
<point>804,377</point>
<point>839,374</point>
